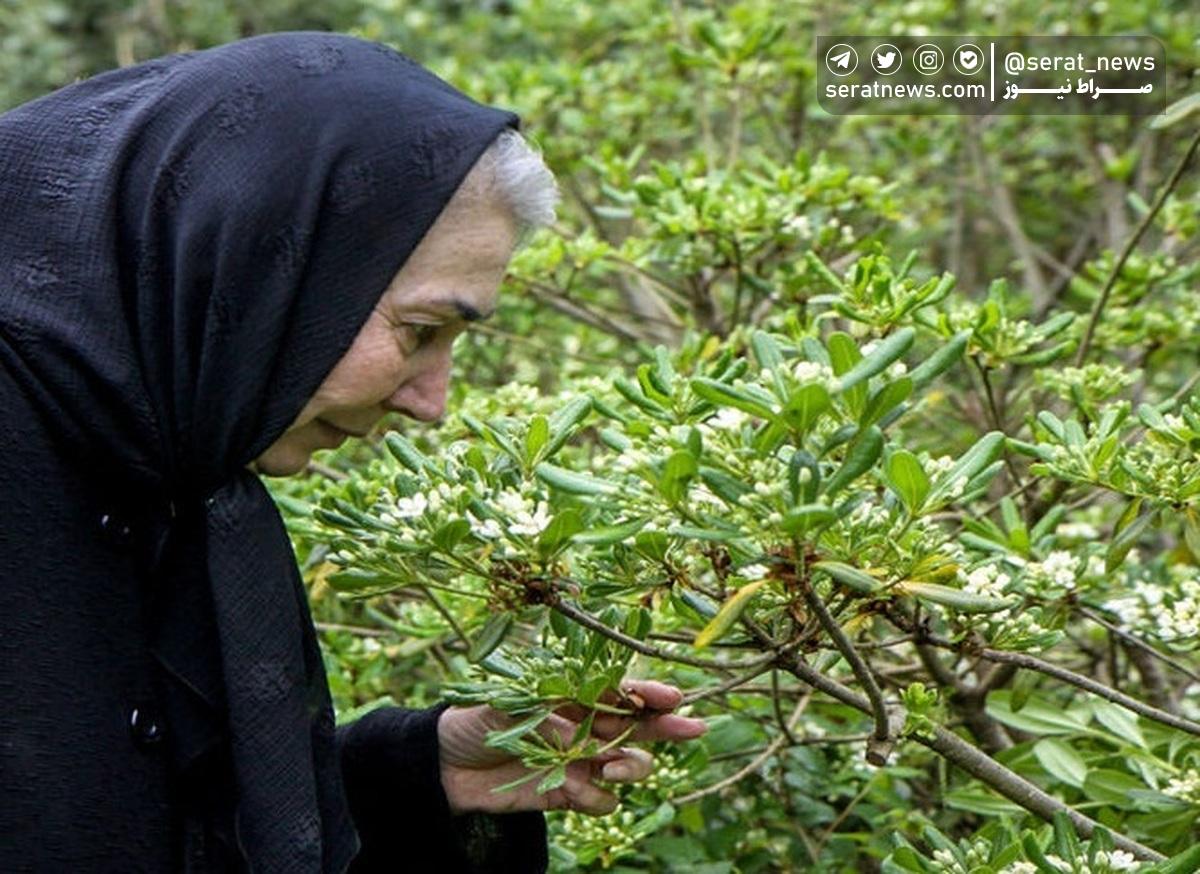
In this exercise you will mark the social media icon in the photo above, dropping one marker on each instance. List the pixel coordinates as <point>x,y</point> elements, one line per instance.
<point>928,59</point>
<point>968,59</point>
<point>841,59</point>
<point>886,59</point>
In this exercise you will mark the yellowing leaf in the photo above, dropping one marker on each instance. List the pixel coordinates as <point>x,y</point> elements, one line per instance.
<point>733,607</point>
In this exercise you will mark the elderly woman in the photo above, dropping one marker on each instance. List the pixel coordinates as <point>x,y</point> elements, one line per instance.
<point>211,265</point>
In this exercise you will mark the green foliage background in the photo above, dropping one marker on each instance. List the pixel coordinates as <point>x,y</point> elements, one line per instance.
<point>722,240</point>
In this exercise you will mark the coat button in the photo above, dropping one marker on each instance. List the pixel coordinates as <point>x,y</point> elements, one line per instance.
<point>116,529</point>
<point>145,725</point>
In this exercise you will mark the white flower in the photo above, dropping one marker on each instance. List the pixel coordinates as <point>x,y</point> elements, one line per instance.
<point>753,572</point>
<point>727,419</point>
<point>897,369</point>
<point>1120,860</point>
<point>408,508</point>
<point>1060,566</point>
<point>531,524</point>
<point>512,503</point>
<point>1020,868</point>
<point>811,371</point>
<point>488,529</point>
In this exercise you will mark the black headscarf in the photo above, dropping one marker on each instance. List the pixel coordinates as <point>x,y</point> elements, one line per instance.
<point>189,245</point>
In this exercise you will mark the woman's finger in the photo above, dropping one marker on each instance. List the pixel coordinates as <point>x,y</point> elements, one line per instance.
<point>653,694</point>
<point>630,766</point>
<point>580,793</point>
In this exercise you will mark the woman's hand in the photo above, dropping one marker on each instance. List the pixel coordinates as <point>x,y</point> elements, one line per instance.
<point>471,769</point>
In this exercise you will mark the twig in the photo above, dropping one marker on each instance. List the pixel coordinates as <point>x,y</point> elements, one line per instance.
<point>1139,643</point>
<point>1102,299</point>
<point>783,726</point>
<point>589,621</point>
<point>841,817</point>
<point>732,683</point>
<point>754,765</point>
<point>1022,660</point>
<point>882,741</point>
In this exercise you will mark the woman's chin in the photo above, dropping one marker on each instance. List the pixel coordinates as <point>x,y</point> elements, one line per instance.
<point>281,462</point>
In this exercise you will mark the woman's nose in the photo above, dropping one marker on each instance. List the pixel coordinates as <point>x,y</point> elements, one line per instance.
<point>423,397</point>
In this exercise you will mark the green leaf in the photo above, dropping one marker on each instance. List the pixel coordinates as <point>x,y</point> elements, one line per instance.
<point>733,608</point>
<point>851,577</point>
<point>805,407</point>
<point>888,351</point>
<point>886,399</point>
<point>766,350</point>
<point>1065,839</point>
<point>554,779</point>
<point>1023,685</point>
<point>1119,721</point>
<point>352,579</point>
<point>1060,761</point>
<point>1110,787</point>
<point>536,437</point>
<point>940,361</point>
<point>493,435</point>
<point>659,818</point>
<point>973,462</point>
<point>451,534</point>
<point>963,602</point>
<point>405,452</point>
<point>723,395</point>
<point>562,528</point>
<point>518,730</point>
<point>843,356</point>
<point>1187,862</point>
<point>803,491</point>
<point>1177,112</point>
<point>604,535</point>
<point>982,802</point>
<point>489,637</point>
<point>1124,541</point>
<point>1038,716</point>
<point>799,520</point>
<point>907,479</point>
<point>908,859</point>
<point>678,471</point>
<point>572,482</point>
<point>652,544</point>
<point>563,422</point>
<point>860,457</point>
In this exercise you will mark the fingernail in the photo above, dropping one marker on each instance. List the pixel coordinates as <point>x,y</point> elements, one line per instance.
<point>615,771</point>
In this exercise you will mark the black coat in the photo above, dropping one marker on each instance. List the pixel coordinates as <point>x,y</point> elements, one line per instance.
<point>188,246</point>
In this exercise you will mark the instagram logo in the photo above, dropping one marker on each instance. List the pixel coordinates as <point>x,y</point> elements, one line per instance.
<point>928,59</point>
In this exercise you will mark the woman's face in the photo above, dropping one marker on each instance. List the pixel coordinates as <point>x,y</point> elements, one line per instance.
<point>400,360</point>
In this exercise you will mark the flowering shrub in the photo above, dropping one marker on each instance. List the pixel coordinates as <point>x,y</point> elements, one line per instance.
<point>771,505</point>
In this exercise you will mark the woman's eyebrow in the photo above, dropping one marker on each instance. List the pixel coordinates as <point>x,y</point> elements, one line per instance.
<point>467,312</point>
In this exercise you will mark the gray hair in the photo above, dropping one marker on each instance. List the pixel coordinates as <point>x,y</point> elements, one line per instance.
<point>516,173</point>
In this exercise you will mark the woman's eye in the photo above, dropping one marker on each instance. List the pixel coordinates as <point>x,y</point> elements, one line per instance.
<point>422,333</point>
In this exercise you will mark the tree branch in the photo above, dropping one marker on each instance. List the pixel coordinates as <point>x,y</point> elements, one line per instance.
<point>978,764</point>
<point>589,621</point>
<point>882,741</point>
